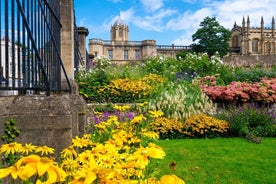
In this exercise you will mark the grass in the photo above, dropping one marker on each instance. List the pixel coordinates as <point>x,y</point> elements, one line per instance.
<point>220,160</point>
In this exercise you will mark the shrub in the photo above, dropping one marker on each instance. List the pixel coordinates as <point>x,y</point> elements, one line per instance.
<point>127,90</point>
<point>201,125</point>
<point>167,128</point>
<point>90,82</point>
<point>160,65</point>
<point>240,92</point>
<point>180,101</point>
<point>250,118</point>
<point>199,65</point>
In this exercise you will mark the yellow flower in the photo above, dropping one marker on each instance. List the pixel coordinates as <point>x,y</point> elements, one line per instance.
<point>35,164</point>
<point>122,108</point>
<point>137,119</point>
<point>84,156</point>
<point>69,152</point>
<point>155,151</point>
<point>151,135</point>
<point>11,148</point>
<point>141,155</point>
<point>156,114</point>
<point>12,170</point>
<point>69,164</point>
<point>81,142</point>
<point>86,174</point>
<point>45,150</point>
<point>28,148</point>
<point>171,179</point>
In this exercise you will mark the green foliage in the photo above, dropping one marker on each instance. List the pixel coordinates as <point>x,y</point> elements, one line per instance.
<point>11,132</point>
<point>250,119</point>
<point>197,65</point>
<point>161,65</point>
<point>211,37</point>
<point>228,74</point>
<point>252,74</point>
<point>89,84</point>
<point>182,54</point>
<point>180,101</point>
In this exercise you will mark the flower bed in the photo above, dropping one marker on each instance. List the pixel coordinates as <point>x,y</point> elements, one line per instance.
<point>240,92</point>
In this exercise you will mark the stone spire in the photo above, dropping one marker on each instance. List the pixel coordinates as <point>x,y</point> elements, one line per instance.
<point>273,26</point>
<point>262,26</point>
<point>248,24</point>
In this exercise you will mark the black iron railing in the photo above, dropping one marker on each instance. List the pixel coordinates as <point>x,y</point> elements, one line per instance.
<point>30,47</point>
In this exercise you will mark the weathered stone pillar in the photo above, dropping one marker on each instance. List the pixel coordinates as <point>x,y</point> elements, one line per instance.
<point>82,34</point>
<point>45,120</point>
<point>67,36</point>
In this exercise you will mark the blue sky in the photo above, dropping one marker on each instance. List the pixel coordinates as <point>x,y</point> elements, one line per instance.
<point>168,21</point>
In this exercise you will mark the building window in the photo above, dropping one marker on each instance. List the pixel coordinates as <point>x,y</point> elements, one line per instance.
<point>267,48</point>
<point>255,46</point>
<point>137,54</point>
<point>235,41</point>
<point>125,54</point>
<point>110,54</point>
<point>272,48</point>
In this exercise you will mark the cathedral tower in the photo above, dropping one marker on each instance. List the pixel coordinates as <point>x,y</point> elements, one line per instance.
<point>119,30</point>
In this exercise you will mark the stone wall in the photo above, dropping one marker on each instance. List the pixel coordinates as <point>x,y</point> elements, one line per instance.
<point>251,60</point>
<point>45,120</point>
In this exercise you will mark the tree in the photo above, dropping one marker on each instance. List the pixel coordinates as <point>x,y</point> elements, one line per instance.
<point>211,38</point>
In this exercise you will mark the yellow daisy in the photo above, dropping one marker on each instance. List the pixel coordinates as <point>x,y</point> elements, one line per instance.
<point>28,148</point>
<point>69,152</point>
<point>81,142</point>
<point>167,179</point>
<point>11,148</point>
<point>42,166</point>
<point>156,114</point>
<point>45,150</point>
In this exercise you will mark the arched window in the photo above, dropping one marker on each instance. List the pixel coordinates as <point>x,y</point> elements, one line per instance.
<point>273,48</point>
<point>267,48</point>
<point>255,48</point>
<point>235,41</point>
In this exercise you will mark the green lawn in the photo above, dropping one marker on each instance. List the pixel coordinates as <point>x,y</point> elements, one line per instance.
<point>220,160</point>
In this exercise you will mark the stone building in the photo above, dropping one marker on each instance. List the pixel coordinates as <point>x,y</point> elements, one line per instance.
<point>247,40</point>
<point>9,57</point>
<point>120,49</point>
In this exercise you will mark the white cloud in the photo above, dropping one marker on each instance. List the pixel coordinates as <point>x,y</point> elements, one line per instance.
<point>229,11</point>
<point>154,22</point>
<point>226,13</point>
<point>184,39</point>
<point>152,5</point>
<point>156,15</point>
<point>188,20</point>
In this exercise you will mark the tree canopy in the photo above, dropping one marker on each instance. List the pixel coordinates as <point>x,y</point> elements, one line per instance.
<point>211,38</point>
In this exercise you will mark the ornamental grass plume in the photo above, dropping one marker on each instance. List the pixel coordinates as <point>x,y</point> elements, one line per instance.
<point>180,101</point>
